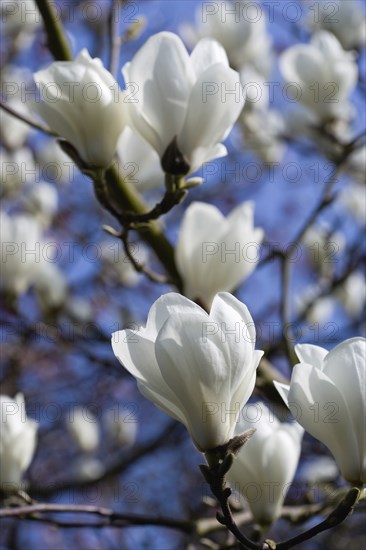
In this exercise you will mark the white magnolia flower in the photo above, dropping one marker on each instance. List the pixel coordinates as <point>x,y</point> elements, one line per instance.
<point>84,428</point>
<point>267,462</point>
<point>324,246</point>
<point>348,23</point>
<point>16,167</point>
<point>21,251</point>
<point>353,198</point>
<point>191,366</point>
<point>321,311</point>
<point>352,294</point>
<point>42,202</point>
<point>327,397</point>
<point>83,104</point>
<point>121,425</point>
<point>20,19</point>
<point>139,162</point>
<point>27,259</point>
<point>240,27</point>
<point>20,14</point>
<point>355,166</point>
<point>18,436</point>
<point>13,131</point>
<point>215,253</point>
<point>263,131</point>
<point>322,75</point>
<point>50,286</point>
<point>88,468</point>
<point>185,98</point>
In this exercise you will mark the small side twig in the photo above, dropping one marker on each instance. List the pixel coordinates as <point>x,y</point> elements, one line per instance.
<point>344,508</point>
<point>27,120</point>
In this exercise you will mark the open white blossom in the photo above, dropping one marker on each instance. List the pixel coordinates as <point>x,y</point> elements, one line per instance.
<point>182,104</point>
<point>42,202</point>
<point>191,366</point>
<point>263,131</point>
<point>20,20</point>
<point>50,286</point>
<point>240,27</point>
<point>83,104</point>
<point>14,132</point>
<point>327,397</point>
<point>18,435</point>
<point>353,198</point>
<point>352,294</point>
<point>348,23</point>
<point>15,165</point>
<point>322,76</point>
<point>268,461</point>
<point>121,425</point>
<point>20,233</point>
<point>324,245</point>
<point>28,260</point>
<point>84,428</point>
<point>216,253</point>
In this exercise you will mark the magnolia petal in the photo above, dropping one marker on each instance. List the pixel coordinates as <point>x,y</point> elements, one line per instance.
<point>166,305</point>
<point>319,406</point>
<point>311,354</point>
<point>206,53</point>
<point>209,117</point>
<point>183,355</point>
<point>283,390</point>
<point>163,93</point>
<point>345,366</point>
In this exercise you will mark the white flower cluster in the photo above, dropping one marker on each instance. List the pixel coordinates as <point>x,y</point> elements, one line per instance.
<point>83,104</point>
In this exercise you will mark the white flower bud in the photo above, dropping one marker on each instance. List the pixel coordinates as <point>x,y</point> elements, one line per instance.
<point>18,436</point>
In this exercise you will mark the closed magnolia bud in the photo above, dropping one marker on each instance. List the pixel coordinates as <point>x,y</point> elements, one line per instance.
<point>83,104</point>
<point>20,233</point>
<point>84,428</point>
<point>42,202</point>
<point>212,253</point>
<point>327,396</point>
<point>192,365</point>
<point>265,466</point>
<point>121,425</point>
<point>18,437</point>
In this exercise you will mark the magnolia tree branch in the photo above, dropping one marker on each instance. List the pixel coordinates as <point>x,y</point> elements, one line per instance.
<point>117,465</point>
<point>120,191</point>
<point>215,476</point>
<point>326,200</point>
<point>56,39</point>
<point>110,517</point>
<point>27,120</point>
<point>344,508</point>
<point>114,37</point>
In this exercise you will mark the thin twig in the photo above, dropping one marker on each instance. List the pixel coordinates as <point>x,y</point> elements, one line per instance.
<point>27,120</point>
<point>141,268</point>
<point>114,37</point>
<point>111,518</point>
<point>344,508</point>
